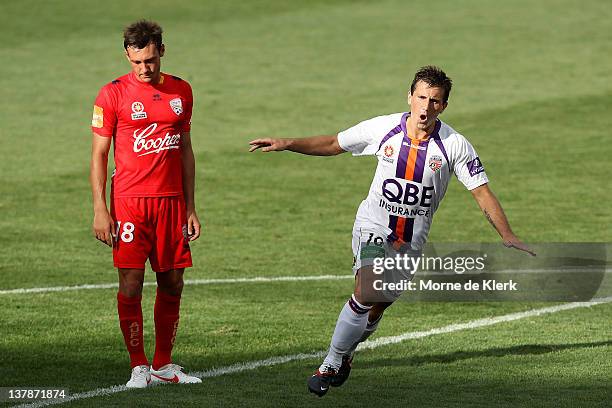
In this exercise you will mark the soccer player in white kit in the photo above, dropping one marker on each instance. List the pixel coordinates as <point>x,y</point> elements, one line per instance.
<point>417,153</point>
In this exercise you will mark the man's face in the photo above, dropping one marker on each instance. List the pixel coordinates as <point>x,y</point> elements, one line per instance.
<point>426,103</point>
<point>146,62</point>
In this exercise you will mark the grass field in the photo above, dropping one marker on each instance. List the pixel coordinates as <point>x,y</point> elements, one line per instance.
<point>532,92</point>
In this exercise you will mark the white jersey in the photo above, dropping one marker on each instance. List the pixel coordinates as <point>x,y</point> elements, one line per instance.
<point>412,175</point>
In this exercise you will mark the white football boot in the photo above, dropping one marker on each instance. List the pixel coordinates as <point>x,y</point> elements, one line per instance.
<point>141,377</point>
<point>172,373</point>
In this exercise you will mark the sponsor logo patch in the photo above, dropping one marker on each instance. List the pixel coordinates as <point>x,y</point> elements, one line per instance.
<point>371,251</point>
<point>97,119</point>
<point>475,166</point>
<point>435,163</point>
<point>177,106</point>
<point>138,111</point>
<point>388,151</point>
<point>413,146</point>
<point>388,154</point>
<point>145,145</point>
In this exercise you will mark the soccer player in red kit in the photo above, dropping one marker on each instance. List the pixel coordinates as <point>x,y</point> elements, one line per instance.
<point>147,114</point>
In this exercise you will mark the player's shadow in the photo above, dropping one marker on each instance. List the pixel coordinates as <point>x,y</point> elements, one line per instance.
<point>525,349</point>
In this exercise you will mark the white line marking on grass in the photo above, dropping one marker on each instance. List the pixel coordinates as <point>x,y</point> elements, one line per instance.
<point>488,321</point>
<point>260,279</point>
<point>187,282</point>
<point>368,345</point>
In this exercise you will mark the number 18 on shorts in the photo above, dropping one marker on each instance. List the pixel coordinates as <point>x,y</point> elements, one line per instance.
<point>152,228</point>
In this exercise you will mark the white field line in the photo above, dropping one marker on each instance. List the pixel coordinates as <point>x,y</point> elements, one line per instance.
<point>22,291</point>
<point>368,345</point>
<point>187,282</point>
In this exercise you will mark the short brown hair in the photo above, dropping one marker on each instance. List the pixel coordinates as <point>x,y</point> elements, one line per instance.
<point>141,33</point>
<point>434,77</point>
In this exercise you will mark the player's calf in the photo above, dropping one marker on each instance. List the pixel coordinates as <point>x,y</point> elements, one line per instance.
<point>347,360</point>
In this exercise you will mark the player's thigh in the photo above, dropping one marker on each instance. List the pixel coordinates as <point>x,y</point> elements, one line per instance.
<point>378,280</point>
<point>368,245</point>
<point>134,237</point>
<point>171,250</point>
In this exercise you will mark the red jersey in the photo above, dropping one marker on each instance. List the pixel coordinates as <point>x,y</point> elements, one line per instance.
<point>145,122</point>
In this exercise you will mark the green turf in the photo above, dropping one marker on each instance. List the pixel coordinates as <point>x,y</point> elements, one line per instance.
<point>532,91</point>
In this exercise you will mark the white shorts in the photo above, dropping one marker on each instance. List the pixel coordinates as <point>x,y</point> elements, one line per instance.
<point>368,243</point>
<point>370,249</point>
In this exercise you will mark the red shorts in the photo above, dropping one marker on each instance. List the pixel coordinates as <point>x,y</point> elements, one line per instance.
<point>153,228</point>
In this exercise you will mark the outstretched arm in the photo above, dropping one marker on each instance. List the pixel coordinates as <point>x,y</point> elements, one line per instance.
<point>492,209</point>
<point>314,146</point>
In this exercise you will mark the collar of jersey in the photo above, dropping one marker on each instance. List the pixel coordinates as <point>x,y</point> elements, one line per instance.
<point>433,134</point>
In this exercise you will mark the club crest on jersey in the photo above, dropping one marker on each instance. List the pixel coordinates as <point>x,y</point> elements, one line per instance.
<point>435,163</point>
<point>138,111</point>
<point>177,105</point>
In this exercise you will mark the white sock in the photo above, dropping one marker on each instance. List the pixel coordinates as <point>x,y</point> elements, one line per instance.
<point>350,327</point>
<point>369,329</point>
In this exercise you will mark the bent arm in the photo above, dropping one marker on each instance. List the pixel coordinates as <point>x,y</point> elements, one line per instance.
<point>313,146</point>
<point>494,212</point>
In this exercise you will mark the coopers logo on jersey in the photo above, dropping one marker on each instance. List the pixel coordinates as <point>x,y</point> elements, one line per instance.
<point>148,146</point>
<point>407,193</point>
<point>138,111</point>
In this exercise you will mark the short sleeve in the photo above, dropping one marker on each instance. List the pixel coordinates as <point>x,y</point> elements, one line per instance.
<point>104,119</point>
<point>188,95</point>
<point>467,165</point>
<point>364,138</point>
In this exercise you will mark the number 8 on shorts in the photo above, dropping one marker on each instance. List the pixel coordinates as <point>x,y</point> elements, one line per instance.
<point>127,234</point>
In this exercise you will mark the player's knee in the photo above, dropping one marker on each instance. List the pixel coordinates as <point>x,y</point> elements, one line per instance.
<point>378,309</point>
<point>130,281</point>
<point>177,288</point>
<point>172,285</point>
<point>360,298</point>
<point>130,288</point>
